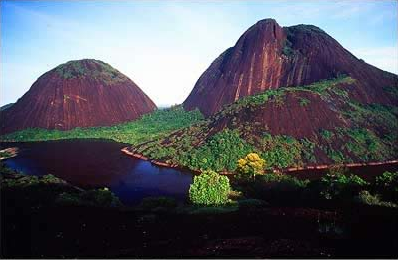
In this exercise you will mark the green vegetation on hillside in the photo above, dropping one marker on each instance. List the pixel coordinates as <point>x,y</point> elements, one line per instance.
<point>304,102</point>
<point>221,151</point>
<point>195,148</point>
<point>187,139</point>
<point>287,49</point>
<point>308,28</point>
<point>362,139</point>
<point>151,126</point>
<point>282,151</point>
<point>323,88</point>
<point>78,68</point>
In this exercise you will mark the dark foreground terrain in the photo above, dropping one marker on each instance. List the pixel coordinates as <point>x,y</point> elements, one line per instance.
<point>269,232</point>
<point>34,224</point>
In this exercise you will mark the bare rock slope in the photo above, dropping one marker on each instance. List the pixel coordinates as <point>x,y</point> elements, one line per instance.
<point>268,56</point>
<point>81,93</point>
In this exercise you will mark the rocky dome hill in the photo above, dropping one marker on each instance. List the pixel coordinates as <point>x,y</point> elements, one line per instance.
<point>292,94</point>
<point>80,93</point>
<point>268,56</point>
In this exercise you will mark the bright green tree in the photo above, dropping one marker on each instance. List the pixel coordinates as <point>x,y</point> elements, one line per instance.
<point>209,188</point>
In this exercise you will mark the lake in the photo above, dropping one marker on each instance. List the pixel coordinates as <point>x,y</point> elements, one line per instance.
<point>99,163</point>
<point>93,163</point>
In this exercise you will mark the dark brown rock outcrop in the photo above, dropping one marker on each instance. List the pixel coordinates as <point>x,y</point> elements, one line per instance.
<point>82,93</point>
<point>268,56</point>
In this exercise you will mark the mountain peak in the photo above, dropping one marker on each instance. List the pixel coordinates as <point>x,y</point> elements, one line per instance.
<point>305,28</point>
<point>267,21</point>
<point>268,28</point>
<point>268,56</point>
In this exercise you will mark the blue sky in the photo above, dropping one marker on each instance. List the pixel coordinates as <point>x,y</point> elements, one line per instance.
<point>164,46</point>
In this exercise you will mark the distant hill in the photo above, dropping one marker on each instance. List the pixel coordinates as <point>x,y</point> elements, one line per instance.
<point>81,93</point>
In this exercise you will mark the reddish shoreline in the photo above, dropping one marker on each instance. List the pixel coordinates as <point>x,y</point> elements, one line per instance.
<point>126,151</point>
<point>12,151</point>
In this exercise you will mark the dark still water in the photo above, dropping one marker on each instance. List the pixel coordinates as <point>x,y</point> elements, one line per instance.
<point>98,163</point>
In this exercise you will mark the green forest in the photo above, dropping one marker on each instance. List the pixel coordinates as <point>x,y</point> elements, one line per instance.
<point>151,126</point>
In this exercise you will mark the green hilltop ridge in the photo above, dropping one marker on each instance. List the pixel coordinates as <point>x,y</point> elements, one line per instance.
<point>89,68</point>
<point>186,138</point>
<point>322,88</point>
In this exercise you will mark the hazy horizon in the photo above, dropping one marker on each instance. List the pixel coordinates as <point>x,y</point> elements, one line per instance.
<point>164,46</point>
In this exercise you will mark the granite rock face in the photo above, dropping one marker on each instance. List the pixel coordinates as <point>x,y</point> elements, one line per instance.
<point>268,56</point>
<point>81,93</point>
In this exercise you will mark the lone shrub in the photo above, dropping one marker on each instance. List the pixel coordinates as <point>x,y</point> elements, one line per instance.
<point>251,165</point>
<point>209,188</point>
